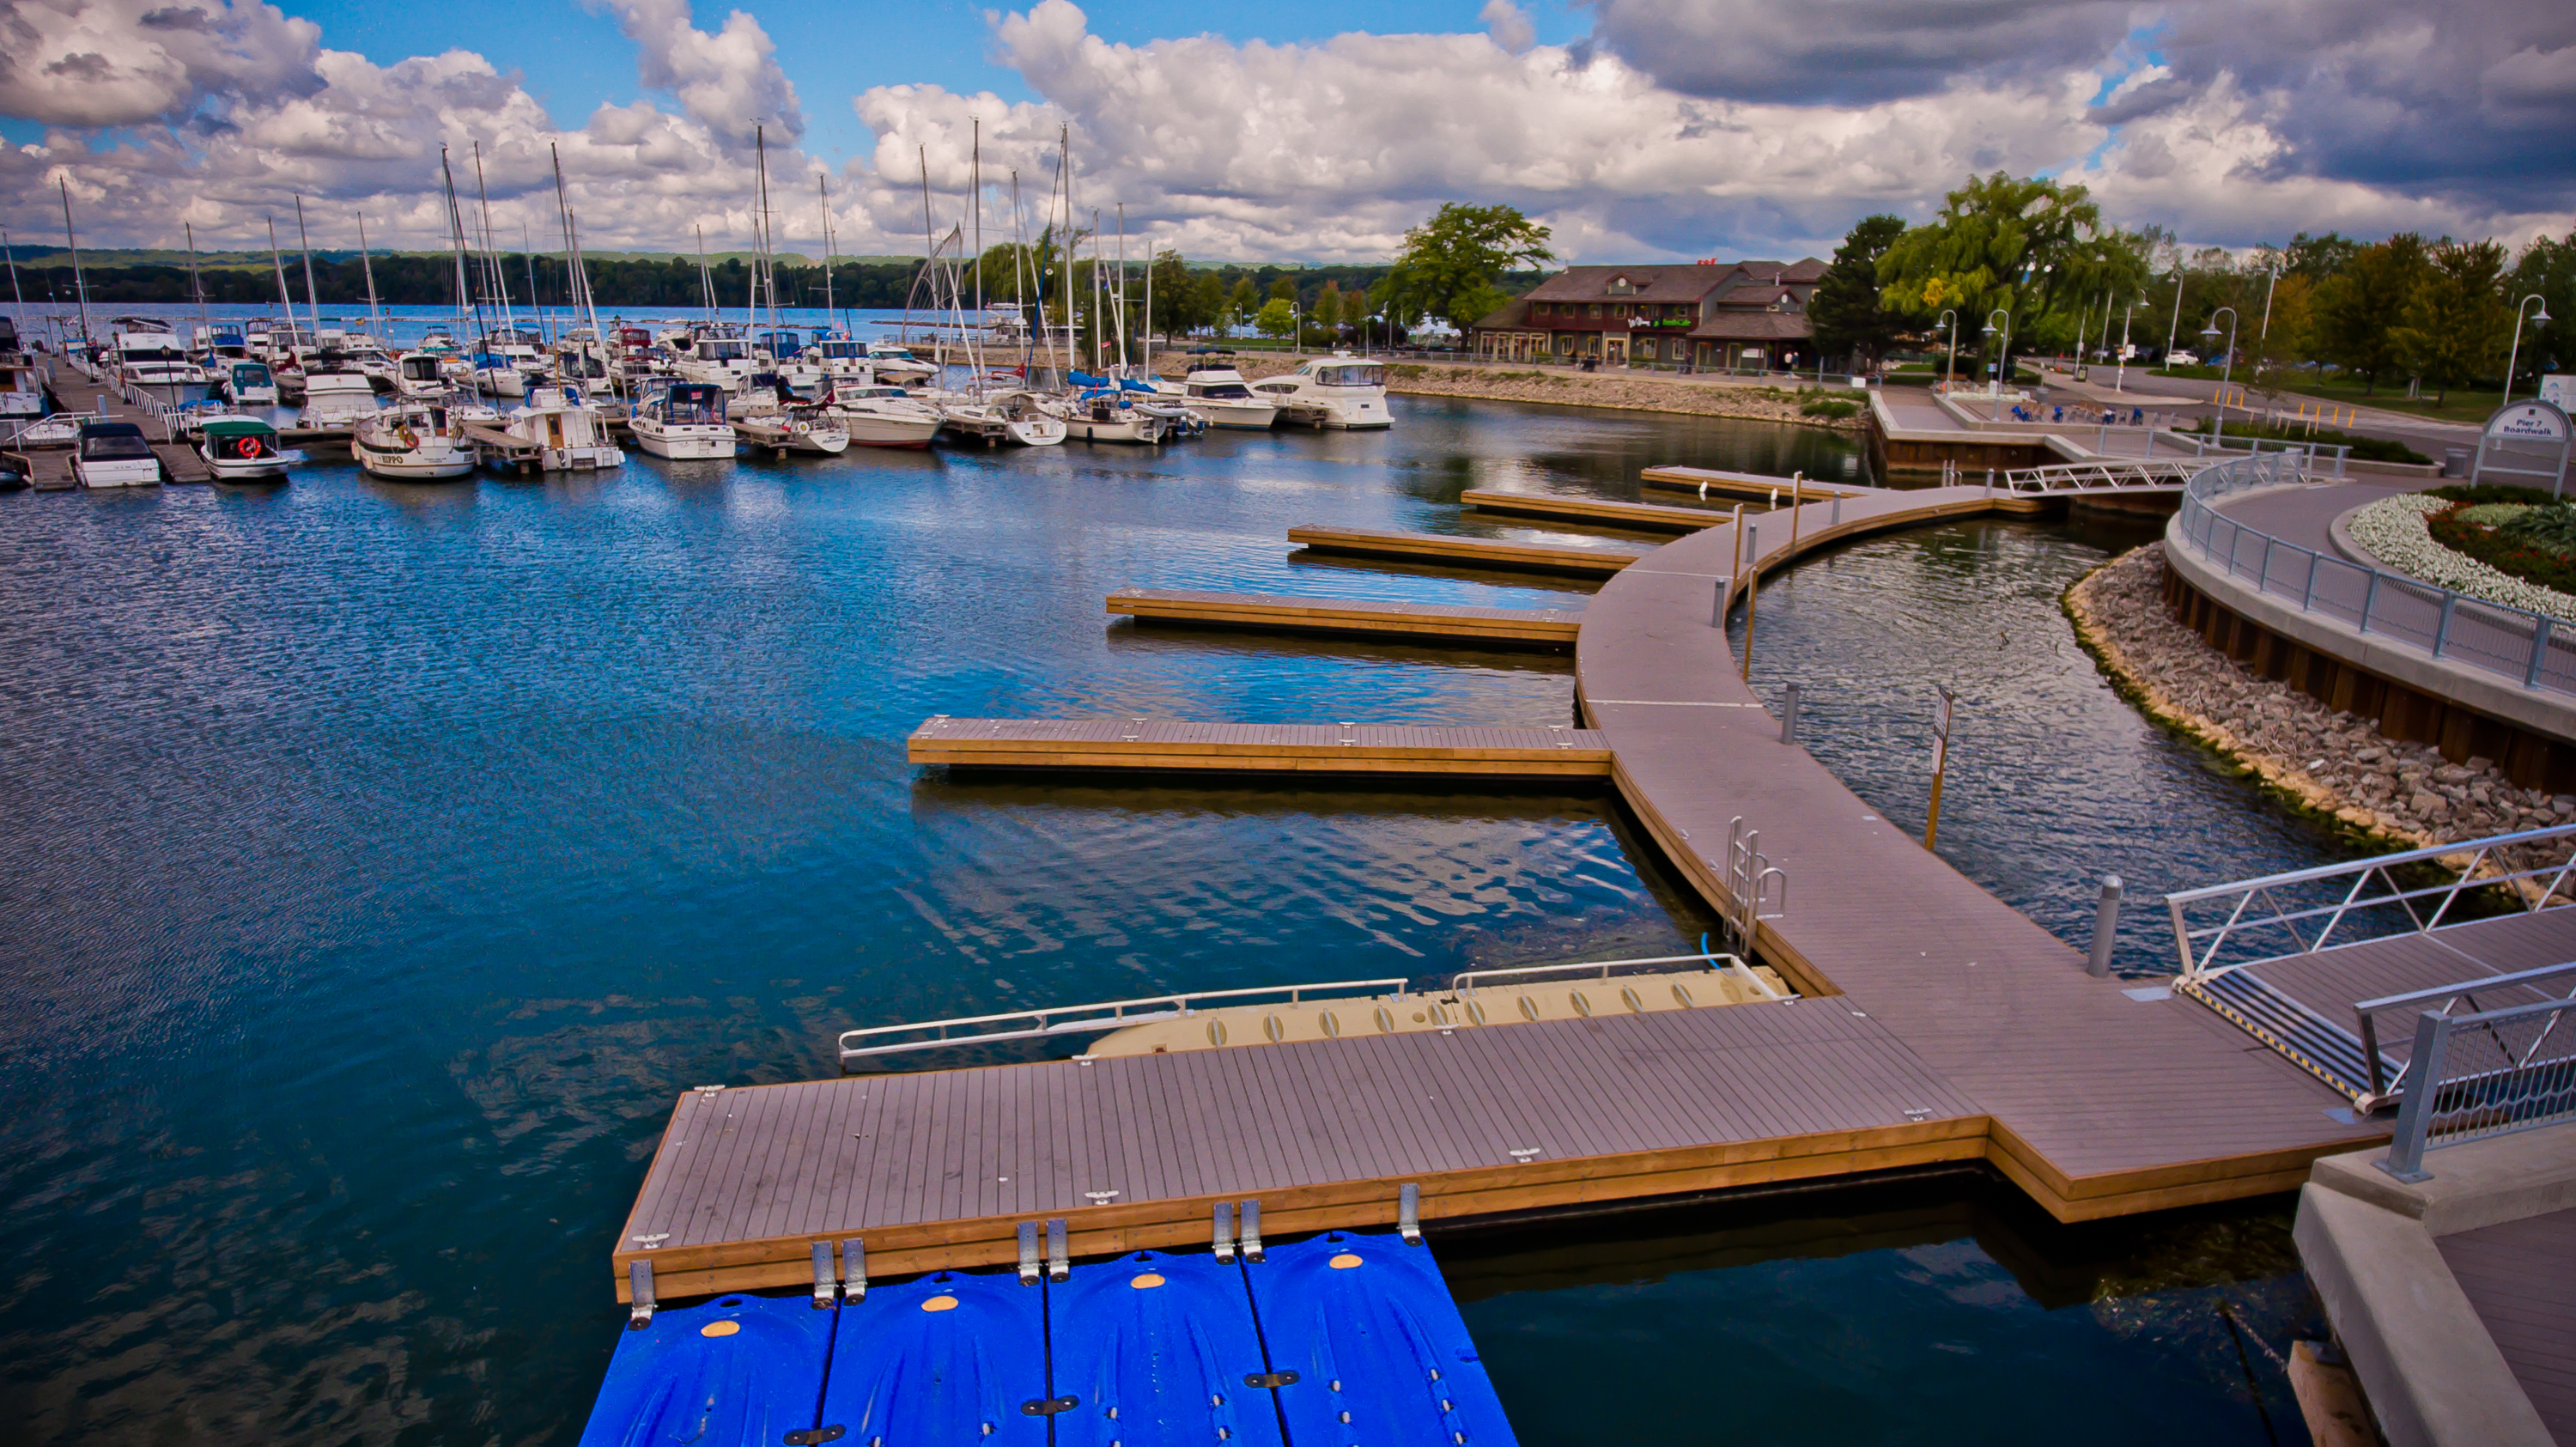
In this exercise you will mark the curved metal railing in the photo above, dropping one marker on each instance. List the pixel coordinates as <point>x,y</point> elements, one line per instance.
<point>2515,644</point>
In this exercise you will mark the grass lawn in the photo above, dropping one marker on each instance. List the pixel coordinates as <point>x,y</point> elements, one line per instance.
<point>2462,405</point>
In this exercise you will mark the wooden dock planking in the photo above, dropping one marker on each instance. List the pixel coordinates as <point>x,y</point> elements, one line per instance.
<point>47,469</point>
<point>1467,552</point>
<point>1322,1133</point>
<point>1592,511</point>
<point>1748,484</point>
<point>182,463</point>
<point>1172,744</point>
<point>1493,627</point>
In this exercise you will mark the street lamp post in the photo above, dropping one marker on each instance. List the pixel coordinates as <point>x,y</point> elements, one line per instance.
<point>1950,323</point>
<point>2002,361</point>
<point>2172,329</point>
<point>2120,379</point>
<point>2227,371</point>
<point>2515,357</point>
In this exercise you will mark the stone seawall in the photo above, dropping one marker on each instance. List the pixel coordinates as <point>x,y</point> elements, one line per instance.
<point>2324,760</point>
<point>1615,390</point>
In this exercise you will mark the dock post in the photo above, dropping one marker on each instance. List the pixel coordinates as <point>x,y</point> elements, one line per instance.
<point>1789,716</point>
<point>1059,1262</point>
<point>1028,1253</point>
<point>1408,1214</point>
<point>1252,1231</point>
<point>1752,592</point>
<point>826,1281</point>
<point>854,1269</point>
<point>2106,928</point>
<point>1838,510</point>
<point>639,1284</point>
<point>1717,610</point>
<point>1225,1231</point>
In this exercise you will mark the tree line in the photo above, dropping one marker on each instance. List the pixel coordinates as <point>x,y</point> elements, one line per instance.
<point>2029,265</point>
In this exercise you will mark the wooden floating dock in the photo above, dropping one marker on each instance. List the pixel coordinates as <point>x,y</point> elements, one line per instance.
<point>1747,484</point>
<point>936,1169</point>
<point>1634,516</point>
<point>47,469</point>
<point>1172,744</point>
<point>182,463</point>
<point>1466,552</point>
<point>1491,627</point>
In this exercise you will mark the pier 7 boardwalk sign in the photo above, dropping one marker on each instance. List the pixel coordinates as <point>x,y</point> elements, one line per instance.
<point>2525,440</point>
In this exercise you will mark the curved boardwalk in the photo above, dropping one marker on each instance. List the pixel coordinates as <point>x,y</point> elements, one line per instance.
<point>2098,1104</point>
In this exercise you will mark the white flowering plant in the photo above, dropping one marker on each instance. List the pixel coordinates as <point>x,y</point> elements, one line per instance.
<point>2395,530</point>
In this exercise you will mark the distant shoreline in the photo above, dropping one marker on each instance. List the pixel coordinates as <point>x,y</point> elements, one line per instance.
<point>1617,391</point>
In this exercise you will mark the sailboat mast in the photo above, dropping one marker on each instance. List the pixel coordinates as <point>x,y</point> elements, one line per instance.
<point>285,298</point>
<point>528,254</point>
<point>469,313</point>
<point>17,312</point>
<point>367,264</point>
<point>312,307</point>
<point>491,248</point>
<point>196,284</point>
<point>576,276</point>
<point>1122,286</point>
<point>80,287</point>
<point>975,176</point>
<point>823,191</point>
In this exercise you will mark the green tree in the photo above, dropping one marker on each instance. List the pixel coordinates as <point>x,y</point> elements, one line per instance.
<point>1208,298</point>
<point>1328,308</point>
<point>2036,248</point>
<point>1449,263</point>
<point>2318,257</point>
<point>1848,318</point>
<point>2364,303</point>
<point>1181,305</point>
<point>1277,317</point>
<point>1243,302</point>
<point>1282,289</point>
<point>2454,327</point>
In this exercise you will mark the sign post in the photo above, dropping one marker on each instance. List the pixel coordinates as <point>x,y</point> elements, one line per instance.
<point>1940,766</point>
<point>2525,440</point>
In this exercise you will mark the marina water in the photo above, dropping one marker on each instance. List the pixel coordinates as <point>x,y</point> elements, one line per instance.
<point>383,859</point>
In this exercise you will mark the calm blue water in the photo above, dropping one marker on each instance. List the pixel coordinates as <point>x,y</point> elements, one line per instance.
<point>383,859</point>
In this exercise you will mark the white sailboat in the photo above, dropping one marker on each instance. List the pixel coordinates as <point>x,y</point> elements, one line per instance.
<point>414,442</point>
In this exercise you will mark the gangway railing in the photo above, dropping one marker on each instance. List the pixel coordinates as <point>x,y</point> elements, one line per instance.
<point>2306,910</point>
<point>2514,643</point>
<point>1098,1017</point>
<point>1468,982</point>
<point>2166,475</point>
<point>2485,1073</point>
<point>2461,999</point>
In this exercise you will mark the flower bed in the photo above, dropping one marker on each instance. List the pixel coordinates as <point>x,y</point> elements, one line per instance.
<point>2399,531</point>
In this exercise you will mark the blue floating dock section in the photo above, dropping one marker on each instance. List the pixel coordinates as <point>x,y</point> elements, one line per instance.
<point>737,1371</point>
<point>1381,1355</point>
<point>1159,1351</point>
<point>953,1357</point>
<point>1345,1340</point>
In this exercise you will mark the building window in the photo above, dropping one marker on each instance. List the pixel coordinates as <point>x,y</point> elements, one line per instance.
<point>1593,310</point>
<point>1646,349</point>
<point>1620,286</point>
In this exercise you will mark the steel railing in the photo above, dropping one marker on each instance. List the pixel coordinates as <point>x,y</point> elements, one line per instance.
<point>1468,982</point>
<point>2514,643</point>
<point>1094,1018</point>
<point>2305,910</point>
<point>2499,991</point>
<point>2487,1073</point>
<point>2106,476</point>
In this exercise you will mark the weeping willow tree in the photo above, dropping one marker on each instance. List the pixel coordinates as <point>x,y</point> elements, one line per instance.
<point>2034,249</point>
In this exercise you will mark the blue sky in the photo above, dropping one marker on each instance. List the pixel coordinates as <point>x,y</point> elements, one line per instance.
<point>574,58</point>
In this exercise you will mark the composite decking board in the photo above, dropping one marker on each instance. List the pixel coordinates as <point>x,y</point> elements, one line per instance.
<point>2520,1276</point>
<point>781,1168</point>
<point>2331,981</point>
<point>1693,768</point>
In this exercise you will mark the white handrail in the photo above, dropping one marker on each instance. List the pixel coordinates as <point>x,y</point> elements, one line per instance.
<point>1468,982</point>
<point>1102,1016</point>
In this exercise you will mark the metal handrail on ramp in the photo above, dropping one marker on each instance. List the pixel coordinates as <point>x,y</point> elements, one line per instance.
<point>1098,1017</point>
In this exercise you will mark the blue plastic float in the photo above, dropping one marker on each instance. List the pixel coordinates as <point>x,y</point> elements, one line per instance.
<point>1341,1341</point>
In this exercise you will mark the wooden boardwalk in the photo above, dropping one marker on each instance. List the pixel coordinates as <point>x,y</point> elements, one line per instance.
<point>1491,627</point>
<point>2520,1277</point>
<point>1172,744</point>
<point>1466,552</point>
<point>1749,485</point>
<point>1643,517</point>
<point>1940,1025</point>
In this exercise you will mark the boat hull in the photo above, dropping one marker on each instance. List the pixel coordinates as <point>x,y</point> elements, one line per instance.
<point>687,444</point>
<point>412,467</point>
<point>134,472</point>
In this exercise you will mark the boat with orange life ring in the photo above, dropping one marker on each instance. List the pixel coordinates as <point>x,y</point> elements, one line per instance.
<point>244,449</point>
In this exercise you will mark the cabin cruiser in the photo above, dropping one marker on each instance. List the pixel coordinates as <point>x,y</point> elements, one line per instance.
<point>1102,413</point>
<point>336,392</point>
<point>217,343</point>
<point>115,454</point>
<point>243,449</point>
<point>897,364</point>
<point>883,416</point>
<point>506,361</point>
<point>841,359</point>
<point>683,420</point>
<point>722,362</point>
<point>803,427</point>
<point>1335,391</point>
<point>1219,394</point>
<point>22,388</point>
<point>421,374</point>
<point>151,358</point>
<point>245,383</point>
<point>414,442</point>
<point>567,431</point>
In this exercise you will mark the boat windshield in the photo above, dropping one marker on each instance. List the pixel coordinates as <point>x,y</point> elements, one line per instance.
<point>1224,391</point>
<point>417,369</point>
<point>252,374</point>
<point>114,446</point>
<point>713,350</point>
<point>1352,374</point>
<point>841,351</point>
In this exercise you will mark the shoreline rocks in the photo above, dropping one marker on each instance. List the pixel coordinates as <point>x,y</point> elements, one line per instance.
<point>2330,763</point>
<point>1619,391</point>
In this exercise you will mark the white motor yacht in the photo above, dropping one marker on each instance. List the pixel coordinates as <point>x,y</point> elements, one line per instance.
<point>243,449</point>
<point>800,428</point>
<point>151,358</point>
<point>1335,391</point>
<point>683,421</point>
<point>568,432</point>
<point>414,442</point>
<point>336,393</point>
<point>245,383</point>
<point>898,365</point>
<point>1219,394</point>
<point>115,454</point>
<point>722,362</point>
<point>883,416</point>
<point>422,374</point>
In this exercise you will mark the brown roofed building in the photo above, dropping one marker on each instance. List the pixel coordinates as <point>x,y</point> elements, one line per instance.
<point>1704,315</point>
